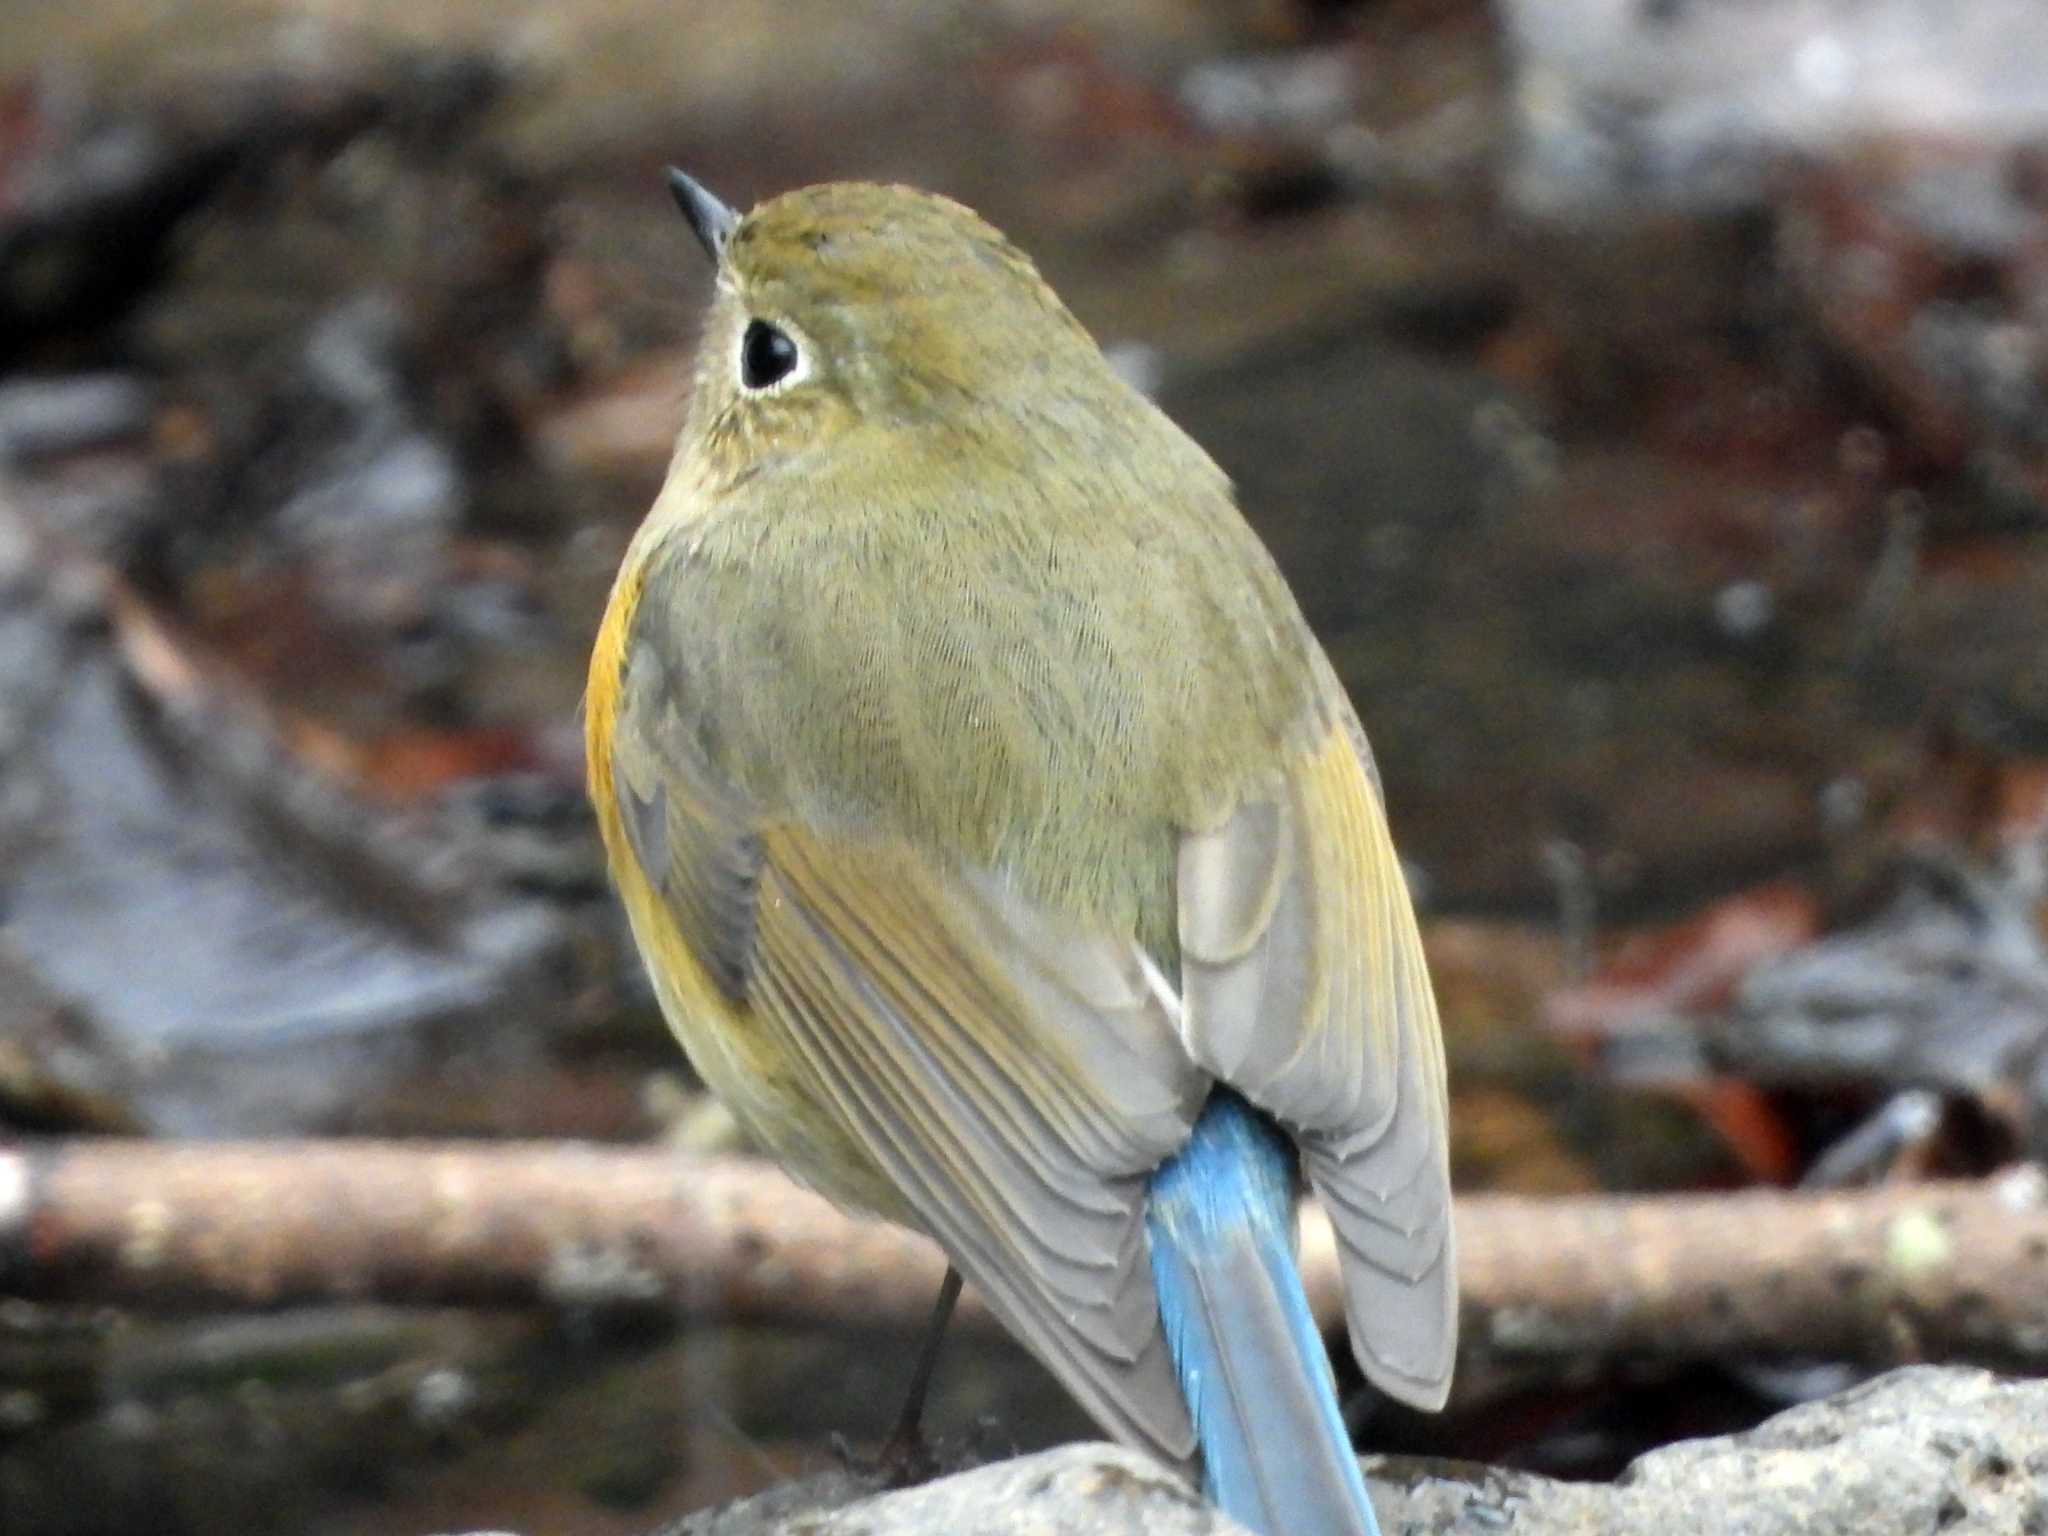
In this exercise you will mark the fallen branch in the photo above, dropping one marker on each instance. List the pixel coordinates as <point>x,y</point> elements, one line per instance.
<point>1952,1271</point>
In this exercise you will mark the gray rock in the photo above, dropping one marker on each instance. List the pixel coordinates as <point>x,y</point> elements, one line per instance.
<point>1076,1490</point>
<point>1927,1448</point>
<point>1922,1449</point>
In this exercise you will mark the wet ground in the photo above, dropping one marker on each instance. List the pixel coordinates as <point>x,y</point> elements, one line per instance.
<point>1649,410</point>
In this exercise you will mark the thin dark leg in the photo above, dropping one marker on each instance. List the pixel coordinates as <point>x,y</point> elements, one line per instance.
<point>905,1457</point>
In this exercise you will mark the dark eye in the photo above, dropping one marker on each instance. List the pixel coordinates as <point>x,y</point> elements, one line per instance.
<point>767,356</point>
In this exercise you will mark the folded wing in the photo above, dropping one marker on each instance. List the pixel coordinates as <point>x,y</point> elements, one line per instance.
<point>1304,987</point>
<point>1016,1079</point>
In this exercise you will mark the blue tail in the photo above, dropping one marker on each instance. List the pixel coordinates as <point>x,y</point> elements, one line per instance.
<point>1275,1454</point>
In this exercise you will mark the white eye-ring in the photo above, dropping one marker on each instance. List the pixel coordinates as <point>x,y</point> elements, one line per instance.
<point>770,360</point>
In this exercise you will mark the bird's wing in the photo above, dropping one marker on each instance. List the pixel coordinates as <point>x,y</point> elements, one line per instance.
<point>1304,987</point>
<point>1015,1079</point>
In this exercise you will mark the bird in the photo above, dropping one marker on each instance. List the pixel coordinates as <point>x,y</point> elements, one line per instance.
<point>1005,852</point>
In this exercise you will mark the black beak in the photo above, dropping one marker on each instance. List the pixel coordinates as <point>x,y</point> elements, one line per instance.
<point>710,218</point>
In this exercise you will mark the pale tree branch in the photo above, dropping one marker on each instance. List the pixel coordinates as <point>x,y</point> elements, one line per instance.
<point>1900,1272</point>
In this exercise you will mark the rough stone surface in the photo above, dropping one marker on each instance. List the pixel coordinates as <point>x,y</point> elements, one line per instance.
<point>1076,1490</point>
<point>1920,1450</point>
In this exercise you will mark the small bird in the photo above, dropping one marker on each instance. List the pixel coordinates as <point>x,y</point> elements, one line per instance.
<point>1005,852</point>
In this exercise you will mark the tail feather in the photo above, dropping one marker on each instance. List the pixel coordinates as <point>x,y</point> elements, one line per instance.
<point>1275,1453</point>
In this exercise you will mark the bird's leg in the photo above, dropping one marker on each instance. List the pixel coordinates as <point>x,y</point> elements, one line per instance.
<point>905,1457</point>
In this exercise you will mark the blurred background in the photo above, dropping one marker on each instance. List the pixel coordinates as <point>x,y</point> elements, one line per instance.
<point>1648,401</point>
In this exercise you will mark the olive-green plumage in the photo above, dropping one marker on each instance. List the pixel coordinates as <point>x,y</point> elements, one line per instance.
<point>980,799</point>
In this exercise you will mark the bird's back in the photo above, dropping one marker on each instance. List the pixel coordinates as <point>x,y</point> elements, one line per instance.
<point>1052,690</point>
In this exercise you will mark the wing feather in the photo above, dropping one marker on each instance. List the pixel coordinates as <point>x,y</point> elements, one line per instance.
<point>925,1044</point>
<point>1010,1080</point>
<point>1304,987</point>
